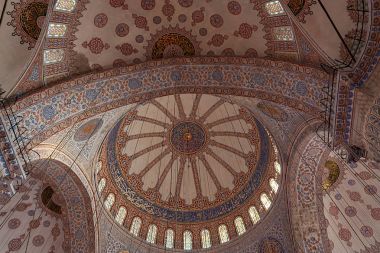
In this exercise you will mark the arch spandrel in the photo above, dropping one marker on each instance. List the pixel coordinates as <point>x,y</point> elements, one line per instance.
<point>89,95</point>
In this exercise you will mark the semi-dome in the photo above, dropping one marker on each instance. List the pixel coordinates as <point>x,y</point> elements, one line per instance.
<point>194,160</point>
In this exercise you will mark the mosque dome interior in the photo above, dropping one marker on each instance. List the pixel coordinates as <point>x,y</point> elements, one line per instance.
<point>144,126</point>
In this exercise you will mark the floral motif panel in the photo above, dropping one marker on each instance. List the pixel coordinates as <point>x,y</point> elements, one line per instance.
<point>352,207</point>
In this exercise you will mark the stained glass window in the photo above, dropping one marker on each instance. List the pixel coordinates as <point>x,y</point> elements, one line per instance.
<point>169,239</point>
<point>277,167</point>
<point>206,240</point>
<point>109,201</point>
<point>56,30</point>
<point>101,185</point>
<point>65,5</point>
<point>121,214</point>
<point>53,55</point>
<point>187,240</point>
<point>283,33</point>
<point>255,216</point>
<point>265,201</point>
<point>223,234</point>
<point>152,234</point>
<point>135,227</point>
<point>274,8</point>
<point>239,225</point>
<point>273,184</point>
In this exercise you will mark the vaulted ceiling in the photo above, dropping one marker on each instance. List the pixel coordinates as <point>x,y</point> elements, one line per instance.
<point>179,111</point>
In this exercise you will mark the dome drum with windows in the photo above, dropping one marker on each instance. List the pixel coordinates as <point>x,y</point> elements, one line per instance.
<point>182,169</point>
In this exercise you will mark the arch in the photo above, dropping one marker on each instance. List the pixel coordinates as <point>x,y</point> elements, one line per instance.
<point>223,234</point>
<point>306,208</point>
<point>187,240</point>
<point>108,203</point>
<point>206,76</point>
<point>273,184</point>
<point>101,185</point>
<point>135,227</point>
<point>254,215</point>
<point>265,201</point>
<point>121,214</point>
<point>239,225</point>
<point>169,238</point>
<point>205,239</point>
<point>80,214</point>
<point>296,6</point>
<point>46,197</point>
<point>44,152</point>
<point>152,234</point>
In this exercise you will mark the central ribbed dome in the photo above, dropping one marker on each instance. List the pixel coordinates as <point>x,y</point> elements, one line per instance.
<point>188,161</point>
<point>187,152</point>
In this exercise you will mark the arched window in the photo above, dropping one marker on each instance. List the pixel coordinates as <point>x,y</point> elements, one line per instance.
<point>206,240</point>
<point>135,227</point>
<point>120,216</point>
<point>265,201</point>
<point>283,33</point>
<point>109,201</point>
<point>277,167</point>
<point>152,234</point>
<point>56,30</point>
<point>98,166</point>
<point>255,217</point>
<point>274,8</point>
<point>223,234</point>
<point>65,5</point>
<point>273,184</point>
<point>101,185</point>
<point>53,55</point>
<point>169,239</point>
<point>239,225</point>
<point>187,240</point>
